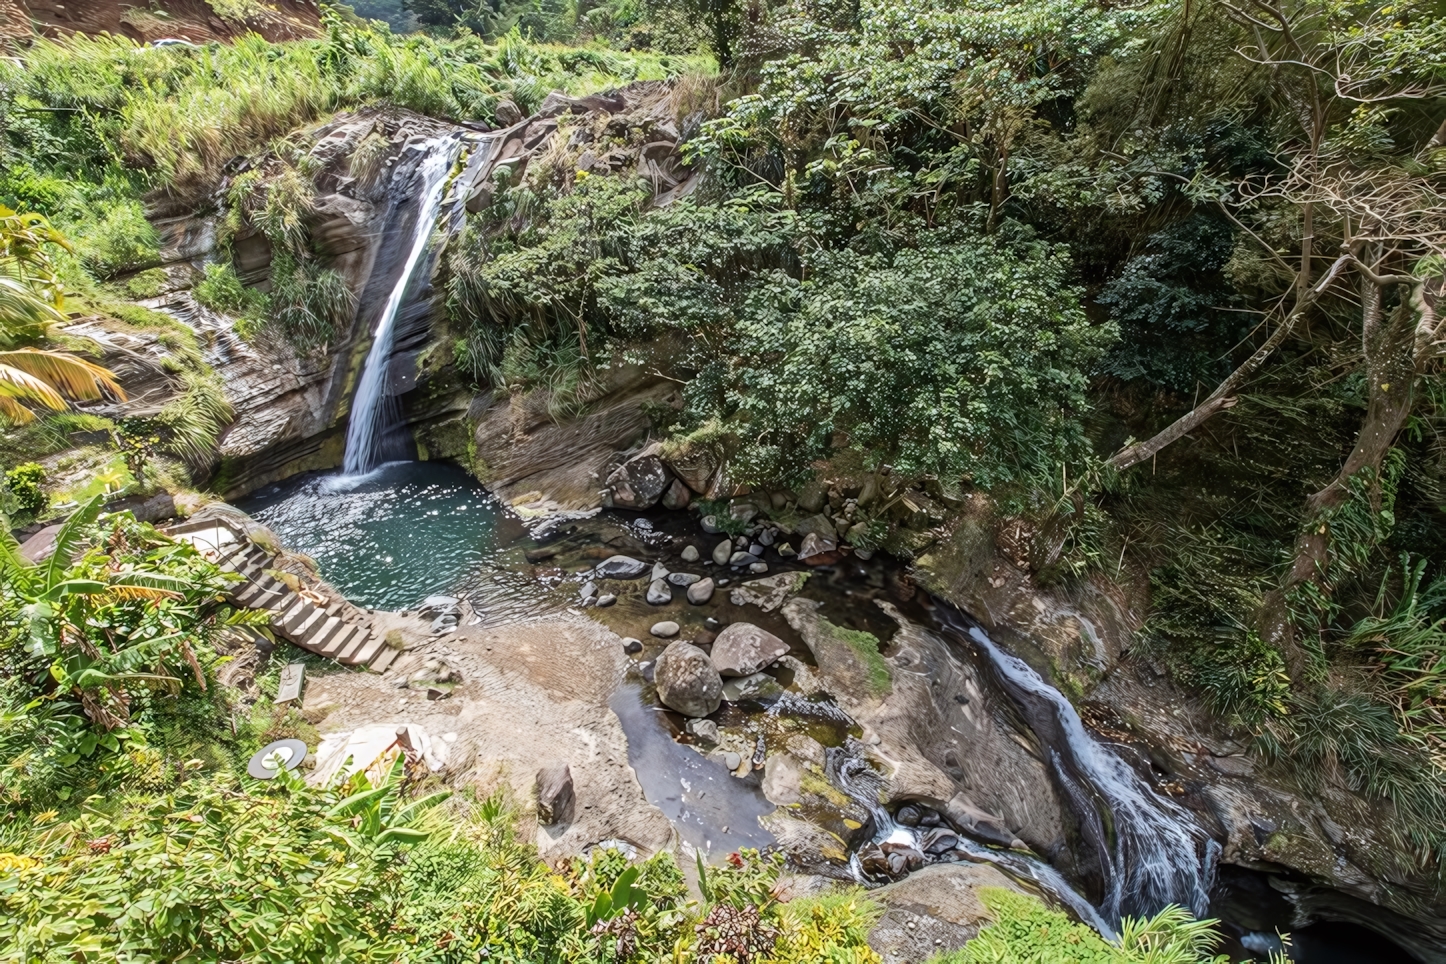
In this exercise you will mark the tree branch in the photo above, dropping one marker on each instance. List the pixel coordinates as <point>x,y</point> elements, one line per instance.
<point>1222,398</point>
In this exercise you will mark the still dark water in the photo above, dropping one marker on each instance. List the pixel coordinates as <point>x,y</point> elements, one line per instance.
<point>391,537</point>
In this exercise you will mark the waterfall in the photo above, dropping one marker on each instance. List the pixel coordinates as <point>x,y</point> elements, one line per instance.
<point>373,410</point>
<point>1151,850</point>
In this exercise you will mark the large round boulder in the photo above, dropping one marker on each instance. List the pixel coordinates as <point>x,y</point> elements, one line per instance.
<point>743,649</point>
<point>687,681</point>
<point>638,484</point>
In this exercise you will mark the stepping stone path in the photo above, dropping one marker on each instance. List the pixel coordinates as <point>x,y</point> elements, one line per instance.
<point>333,628</point>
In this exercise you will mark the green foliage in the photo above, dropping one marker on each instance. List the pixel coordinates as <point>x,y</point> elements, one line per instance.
<point>221,290</point>
<point>25,483</point>
<point>101,639</point>
<point>866,646</point>
<point>1024,931</point>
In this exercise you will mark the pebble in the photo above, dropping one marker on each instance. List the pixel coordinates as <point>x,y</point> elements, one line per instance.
<point>683,578</point>
<point>709,524</point>
<point>588,590</point>
<point>606,599</point>
<point>758,567</point>
<point>700,592</point>
<point>741,542</point>
<point>742,558</point>
<point>659,594</point>
<point>731,760</point>
<point>757,549</point>
<point>712,623</point>
<point>690,553</point>
<point>660,571</point>
<point>786,551</point>
<point>721,552</point>
<point>723,582</point>
<point>767,536</point>
<point>666,629</point>
<point>632,646</point>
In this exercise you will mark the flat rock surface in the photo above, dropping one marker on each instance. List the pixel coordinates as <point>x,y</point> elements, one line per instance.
<point>942,904</point>
<point>532,691</point>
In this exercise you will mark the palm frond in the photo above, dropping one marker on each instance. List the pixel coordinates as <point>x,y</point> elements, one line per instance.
<point>21,308</point>
<point>18,384</point>
<point>130,593</point>
<point>68,538</point>
<point>14,412</point>
<point>70,374</point>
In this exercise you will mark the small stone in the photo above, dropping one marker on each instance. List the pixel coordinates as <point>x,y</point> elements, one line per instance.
<point>758,567</point>
<point>620,567</point>
<point>632,646</point>
<point>709,524</point>
<point>606,599</point>
<point>660,571</point>
<point>683,578</point>
<point>588,590</point>
<point>722,581</point>
<point>705,731</point>
<point>690,553</point>
<point>659,594</point>
<point>741,542</point>
<point>786,551</point>
<point>731,760</point>
<point>741,558</point>
<point>863,554</point>
<point>700,592</point>
<point>666,629</point>
<point>757,549</point>
<point>722,552</point>
<point>767,536</point>
<point>713,623</point>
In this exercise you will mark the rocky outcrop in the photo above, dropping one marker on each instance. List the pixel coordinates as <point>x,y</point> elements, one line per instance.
<point>934,910</point>
<point>195,21</point>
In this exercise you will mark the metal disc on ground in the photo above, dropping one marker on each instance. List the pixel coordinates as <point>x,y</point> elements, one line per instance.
<point>275,757</point>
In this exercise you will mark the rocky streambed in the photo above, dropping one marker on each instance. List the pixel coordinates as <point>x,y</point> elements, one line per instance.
<point>713,691</point>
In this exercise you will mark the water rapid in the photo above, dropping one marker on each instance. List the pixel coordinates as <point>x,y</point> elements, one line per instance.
<point>373,409</point>
<point>1151,851</point>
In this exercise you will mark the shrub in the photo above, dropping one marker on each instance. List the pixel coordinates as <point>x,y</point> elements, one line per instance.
<point>24,482</point>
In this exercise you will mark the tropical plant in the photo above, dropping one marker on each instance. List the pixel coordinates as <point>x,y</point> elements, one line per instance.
<point>30,300</point>
<point>24,482</point>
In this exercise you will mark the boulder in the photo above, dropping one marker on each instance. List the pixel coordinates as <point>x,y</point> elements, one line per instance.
<point>722,552</point>
<point>687,681</point>
<point>700,592</point>
<point>690,554</point>
<point>934,910</point>
<point>638,483</point>
<point>756,686</point>
<point>695,465</point>
<point>620,567</point>
<point>659,594</point>
<point>743,649</point>
<point>704,731</point>
<point>678,496</point>
<point>665,629</point>
<point>555,797</point>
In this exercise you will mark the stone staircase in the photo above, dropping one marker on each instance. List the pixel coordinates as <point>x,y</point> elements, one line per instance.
<point>333,628</point>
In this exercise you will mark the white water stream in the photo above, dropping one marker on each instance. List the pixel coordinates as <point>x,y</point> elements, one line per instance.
<point>1155,853</point>
<point>369,419</point>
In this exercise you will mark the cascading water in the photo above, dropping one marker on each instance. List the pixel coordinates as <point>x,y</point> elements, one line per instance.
<point>1151,850</point>
<point>373,410</point>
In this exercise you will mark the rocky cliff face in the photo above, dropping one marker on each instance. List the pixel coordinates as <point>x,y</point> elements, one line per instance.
<point>195,21</point>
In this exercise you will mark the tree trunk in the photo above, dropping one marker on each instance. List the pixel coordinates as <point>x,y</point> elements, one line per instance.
<point>1391,369</point>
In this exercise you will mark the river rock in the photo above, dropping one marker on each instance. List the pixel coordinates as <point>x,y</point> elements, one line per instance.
<point>705,731</point>
<point>660,571</point>
<point>757,686</point>
<point>700,592</point>
<point>659,594</point>
<point>979,824</point>
<point>555,796</point>
<point>605,600</point>
<point>690,554</point>
<point>620,567</point>
<point>741,558</point>
<point>732,760</point>
<point>687,681</point>
<point>743,649</point>
<point>766,537</point>
<point>632,646</point>
<point>665,629</point>
<point>814,545</point>
<point>709,524</point>
<point>770,592</point>
<point>786,550</point>
<point>678,496</point>
<point>722,552</point>
<point>638,484</point>
<point>758,568</point>
<point>683,578</point>
<point>588,590</point>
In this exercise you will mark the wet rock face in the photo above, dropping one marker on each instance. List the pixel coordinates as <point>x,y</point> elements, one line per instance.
<point>687,681</point>
<point>743,649</point>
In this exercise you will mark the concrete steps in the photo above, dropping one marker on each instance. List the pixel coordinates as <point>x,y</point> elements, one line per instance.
<point>335,628</point>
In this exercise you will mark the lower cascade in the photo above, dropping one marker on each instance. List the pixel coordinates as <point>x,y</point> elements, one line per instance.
<point>1151,851</point>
